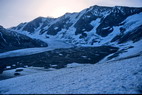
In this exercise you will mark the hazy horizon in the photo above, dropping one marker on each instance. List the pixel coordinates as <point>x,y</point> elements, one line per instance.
<point>14,12</point>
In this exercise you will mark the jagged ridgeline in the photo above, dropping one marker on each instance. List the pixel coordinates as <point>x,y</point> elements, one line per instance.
<point>96,25</point>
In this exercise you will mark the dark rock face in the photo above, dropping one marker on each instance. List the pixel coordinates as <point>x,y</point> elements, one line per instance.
<point>58,26</point>
<point>83,24</point>
<point>10,40</point>
<point>115,18</point>
<point>62,57</point>
<point>134,35</point>
<point>33,24</point>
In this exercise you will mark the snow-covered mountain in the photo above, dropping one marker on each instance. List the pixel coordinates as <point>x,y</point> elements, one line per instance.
<point>98,49</point>
<point>97,25</point>
<point>10,40</point>
<point>100,26</point>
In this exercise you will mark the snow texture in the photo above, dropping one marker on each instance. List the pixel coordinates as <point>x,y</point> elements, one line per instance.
<point>116,77</point>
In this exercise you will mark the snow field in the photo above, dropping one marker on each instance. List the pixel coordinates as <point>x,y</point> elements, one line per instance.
<point>118,77</point>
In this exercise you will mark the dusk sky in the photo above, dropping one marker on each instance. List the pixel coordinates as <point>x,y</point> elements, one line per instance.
<point>13,12</point>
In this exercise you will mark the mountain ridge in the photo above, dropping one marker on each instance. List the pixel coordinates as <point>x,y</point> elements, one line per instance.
<point>86,27</point>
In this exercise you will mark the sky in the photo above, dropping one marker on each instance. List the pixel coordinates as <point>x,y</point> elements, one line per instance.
<point>14,12</point>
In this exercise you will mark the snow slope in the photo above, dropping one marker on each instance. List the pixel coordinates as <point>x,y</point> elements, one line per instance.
<point>117,77</point>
